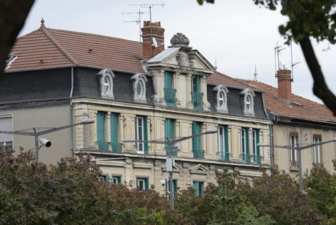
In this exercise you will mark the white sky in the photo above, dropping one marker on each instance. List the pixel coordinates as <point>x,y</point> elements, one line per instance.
<point>238,33</point>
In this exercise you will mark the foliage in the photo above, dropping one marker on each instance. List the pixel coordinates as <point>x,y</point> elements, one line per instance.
<point>70,193</point>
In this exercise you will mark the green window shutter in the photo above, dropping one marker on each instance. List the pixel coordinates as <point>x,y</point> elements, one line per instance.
<point>168,77</point>
<point>196,140</point>
<point>167,187</point>
<point>119,180</point>
<point>247,141</point>
<point>175,187</point>
<point>145,134</point>
<point>169,129</point>
<point>136,184</point>
<point>136,130</point>
<point>198,84</point>
<point>258,148</point>
<point>107,178</point>
<point>114,127</point>
<point>226,137</point>
<point>101,126</point>
<point>146,184</point>
<point>196,187</point>
<point>200,189</point>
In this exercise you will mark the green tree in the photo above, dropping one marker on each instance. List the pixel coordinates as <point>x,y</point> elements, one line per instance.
<point>307,19</point>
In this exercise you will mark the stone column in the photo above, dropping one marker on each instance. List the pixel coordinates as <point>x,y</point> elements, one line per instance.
<point>188,91</point>
<point>204,139</point>
<point>186,176</point>
<point>159,85</point>
<point>206,105</point>
<point>158,176</point>
<point>129,170</point>
<point>108,127</point>
<point>121,127</point>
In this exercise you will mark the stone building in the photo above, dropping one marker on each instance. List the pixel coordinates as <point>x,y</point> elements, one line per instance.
<point>132,90</point>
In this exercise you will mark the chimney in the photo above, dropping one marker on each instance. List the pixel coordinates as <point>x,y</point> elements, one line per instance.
<point>148,48</point>
<point>284,84</point>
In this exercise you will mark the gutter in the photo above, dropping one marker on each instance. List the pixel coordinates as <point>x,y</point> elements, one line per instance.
<point>275,119</point>
<point>71,111</point>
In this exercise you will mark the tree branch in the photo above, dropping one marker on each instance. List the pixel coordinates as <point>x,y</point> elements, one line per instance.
<point>320,87</point>
<point>13,14</point>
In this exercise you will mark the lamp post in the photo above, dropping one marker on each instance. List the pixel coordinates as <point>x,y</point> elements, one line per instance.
<point>170,142</point>
<point>299,149</point>
<point>44,141</point>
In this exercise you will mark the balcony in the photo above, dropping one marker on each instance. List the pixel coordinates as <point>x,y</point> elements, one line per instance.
<point>197,100</point>
<point>246,158</point>
<point>105,146</point>
<point>256,159</point>
<point>170,96</point>
<point>174,153</point>
<point>224,156</point>
<point>198,154</point>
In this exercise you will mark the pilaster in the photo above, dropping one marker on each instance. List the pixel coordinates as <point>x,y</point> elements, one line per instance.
<point>108,127</point>
<point>188,91</point>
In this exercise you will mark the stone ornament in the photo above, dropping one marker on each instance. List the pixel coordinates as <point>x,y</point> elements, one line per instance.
<point>179,40</point>
<point>248,102</point>
<point>106,83</point>
<point>221,98</point>
<point>139,87</point>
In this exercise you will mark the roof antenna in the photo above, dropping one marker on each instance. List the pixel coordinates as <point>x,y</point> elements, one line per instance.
<point>255,73</point>
<point>292,64</point>
<point>276,54</point>
<point>150,16</point>
<point>215,67</point>
<point>138,21</point>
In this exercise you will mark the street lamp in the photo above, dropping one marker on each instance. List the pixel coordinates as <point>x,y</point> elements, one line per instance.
<point>44,141</point>
<point>177,147</point>
<point>299,149</point>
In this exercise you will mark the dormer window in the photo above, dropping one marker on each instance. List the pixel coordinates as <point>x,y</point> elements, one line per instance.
<point>139,87</point>
<point>106,83</point>
<point>221,98</point>
<point>248,102</point>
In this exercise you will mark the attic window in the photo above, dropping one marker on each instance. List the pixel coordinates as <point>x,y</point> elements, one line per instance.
<point>248,102</point>
<point>221,98</point>
<point>106,83</point>
<point>139,87</point>
<point>10,59</point>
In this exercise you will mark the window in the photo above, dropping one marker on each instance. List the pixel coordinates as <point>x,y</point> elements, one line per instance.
<point>174,187</point>
<point>6,140</point>
<point>169,92</point>
<point>293,153</point>
<point>255,149</point>
<point>104,178</point>
<point>169,132</point>
<point>116,180</point>
<point>116,146</point>
<point>317,150</point>
<point>196,95</point>
<point>248,102</point>
<point>244,145</point>
<point>196,141</point>
<point>142,184</point>
<point>223,145</point>
<point>221,98</point>
<point>198,186</point>
<point>139,87</point>
<point>141,134</point>
<point>106,83</point>
<point>102,145</point>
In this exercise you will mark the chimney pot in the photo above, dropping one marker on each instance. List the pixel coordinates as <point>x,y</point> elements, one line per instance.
<point>152,30</point>
<point>284,84</point>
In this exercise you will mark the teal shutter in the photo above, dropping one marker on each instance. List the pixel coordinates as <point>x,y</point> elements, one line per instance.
<point>175,187</point>
<point>101,126</point>
<point>136,130</point>
<point>198,84</point>
<point>114,127</point>
<point>258,148</point>
<point>196,128</point>
<point>200,188</point>
<point>145,134</point>
<point>168,77</point>
<point>169,131</point>
<point>146,184</point>
<point>226,137</point>
<point>247,141</point>
<point>136,184</point>
<point>107,178</point>
<point>196,187</point>
<point>167,187</point>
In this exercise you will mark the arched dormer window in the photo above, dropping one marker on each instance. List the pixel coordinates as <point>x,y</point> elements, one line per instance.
<point>221,98</point>
<point>106,83</point>
<point>248,102</point>
<point>139,87</point>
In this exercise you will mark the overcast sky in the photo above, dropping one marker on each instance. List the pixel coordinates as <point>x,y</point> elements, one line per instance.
<point>237,33</point>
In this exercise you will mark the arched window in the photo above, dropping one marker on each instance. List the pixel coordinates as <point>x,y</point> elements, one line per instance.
<point>248,102</point>
<point>139,87</point>
<point>106,83</point>
<point>221,98</point>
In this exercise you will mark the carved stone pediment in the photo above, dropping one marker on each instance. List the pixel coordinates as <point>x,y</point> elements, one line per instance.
<point>199,169</point>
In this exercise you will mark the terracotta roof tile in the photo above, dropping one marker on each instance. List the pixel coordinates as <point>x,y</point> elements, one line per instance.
<point>64,48</point>
<point>309,110</point>
<point>219,78</point>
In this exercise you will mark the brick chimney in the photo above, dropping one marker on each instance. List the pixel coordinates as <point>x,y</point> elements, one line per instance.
<point>158,33</point>
<point>284,84</point>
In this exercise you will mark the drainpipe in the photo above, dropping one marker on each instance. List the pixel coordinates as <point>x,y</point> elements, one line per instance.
<point>272,138</point>
<point>71,111</point>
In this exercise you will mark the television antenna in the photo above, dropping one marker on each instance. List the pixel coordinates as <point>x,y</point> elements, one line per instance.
<point>292,64</point>
<point>150,6</point>
<point>138,21</point>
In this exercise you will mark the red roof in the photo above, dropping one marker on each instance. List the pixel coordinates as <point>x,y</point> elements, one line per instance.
<point>219,78</point>
<point>49,48</point>
<point>307,109</point>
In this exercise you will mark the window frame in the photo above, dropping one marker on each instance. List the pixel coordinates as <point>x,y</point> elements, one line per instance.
<point>138,144</point>
<point>221,90</point>
<point>139,79</point>
<point>109,75</point>
<point>293,140</point>
<point>248,94</point>
<point>317,139</point>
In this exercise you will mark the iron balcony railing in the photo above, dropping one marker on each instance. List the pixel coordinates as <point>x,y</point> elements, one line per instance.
<point>174,153</point>
<point>224,156</point>
<point>294,164</point>
<point>170,96</point>
<point>257,159</point>
<point>116,147</point>
<point>6,147</point>
<point>105,146</point>
<point>246,158</point>
<point>197,99</point>
<point>198,154</point>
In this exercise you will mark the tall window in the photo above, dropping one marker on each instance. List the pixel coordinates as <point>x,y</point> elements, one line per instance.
<point>141,134</point>
<point>116,146</point>
<point>255,149</point>
<point>223,145</point>
<point>169,92</point>
<point>244,145</point>
<point>248,102</point>
<point>102,145</point>
<point>198,186</point>
<point>293,153</point>
<point>169,132</point>
<point>142,184</point>
<point>116,180</point>
<point>174,187</point>
<point>6,139</point>
<point>317,150</point>
<point>196,141</point>
<point>221,98</point>
<point>197,96</point>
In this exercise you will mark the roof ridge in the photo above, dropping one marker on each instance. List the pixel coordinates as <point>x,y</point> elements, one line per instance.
<point>65,53</point>
<point>235,79</point>
<point>70,31</point>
